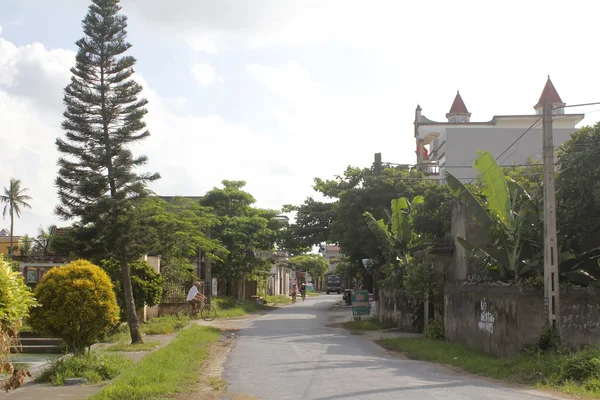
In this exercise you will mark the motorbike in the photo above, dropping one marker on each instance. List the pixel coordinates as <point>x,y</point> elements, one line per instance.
<point>348,296</point>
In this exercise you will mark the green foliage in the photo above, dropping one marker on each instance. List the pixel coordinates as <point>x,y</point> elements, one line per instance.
<point>148,285</point>
<point>94,366</point>
<point>16,300</point>
<point>78,304</point>
<point>580,367</point>
<point>509,216</point>
<point>315,264</point>
<point>434,330</point>
<point>243,230</point>
<point>311,227</point>
<point>421,278</point>
<point>165,371</point>
<point>124,346</point>
<point>431,218</point>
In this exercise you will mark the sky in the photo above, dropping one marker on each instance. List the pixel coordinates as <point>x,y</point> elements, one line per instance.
<point>278,92</point>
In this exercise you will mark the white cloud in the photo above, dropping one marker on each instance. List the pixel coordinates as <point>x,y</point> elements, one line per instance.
<point>201,43</point>
<point>205,74</point>
<point>0,29</point>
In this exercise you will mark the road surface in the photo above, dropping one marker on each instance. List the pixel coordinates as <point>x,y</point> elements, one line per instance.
<point>296,352</point>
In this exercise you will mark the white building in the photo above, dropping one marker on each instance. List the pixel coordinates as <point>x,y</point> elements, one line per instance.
<point>452,146</point>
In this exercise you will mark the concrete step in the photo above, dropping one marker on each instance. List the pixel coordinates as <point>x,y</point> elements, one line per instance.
<point>37,349</point>
<point>41,342</point>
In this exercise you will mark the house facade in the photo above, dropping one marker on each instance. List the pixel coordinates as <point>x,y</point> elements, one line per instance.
<point>452,145</point>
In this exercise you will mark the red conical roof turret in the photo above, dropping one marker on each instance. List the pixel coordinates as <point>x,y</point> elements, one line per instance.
<point>549,93</point>
<point>458,106</point>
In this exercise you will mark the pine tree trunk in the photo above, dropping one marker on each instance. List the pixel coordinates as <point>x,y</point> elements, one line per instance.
<point>132,319</point>
<point>12,228</point>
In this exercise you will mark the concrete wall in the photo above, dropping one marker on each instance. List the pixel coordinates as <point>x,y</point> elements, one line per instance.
<point>500,321</point>
<point>396,306</point>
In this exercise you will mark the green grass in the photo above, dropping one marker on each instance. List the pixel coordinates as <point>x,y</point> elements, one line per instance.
<point>279,299</point>
<point>229,307</point>
<point>574,373</point>
<point>95,367</point>
<point>370,324</point>
<point>163,325</point>
<point>156,326</point>
<point>313,294</point>
<point>165,371</point>
<point>126,346</point>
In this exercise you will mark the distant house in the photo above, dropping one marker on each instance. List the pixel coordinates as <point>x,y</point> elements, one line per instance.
<point>5,241</point>
<point>34,267</point>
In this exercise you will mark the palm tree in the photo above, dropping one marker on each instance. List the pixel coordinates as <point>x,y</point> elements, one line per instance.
<point>13,199</point>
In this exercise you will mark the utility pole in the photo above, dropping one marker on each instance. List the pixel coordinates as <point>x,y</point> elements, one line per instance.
<point>208,273</point>
<point>551,290</point>
<point>377,164</point>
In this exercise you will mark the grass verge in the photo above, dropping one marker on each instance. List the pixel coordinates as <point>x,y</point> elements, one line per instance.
<point>313,294</point>
<point>575,373</point>
<point>126,346</point>
<point>156,326</point>
<point>165,371</point>
<point>279,299</point>
<point>95,367</point>
<point>370,324</point>
<point>229,307</point>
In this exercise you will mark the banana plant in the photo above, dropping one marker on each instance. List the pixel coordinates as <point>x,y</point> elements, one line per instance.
<point>395,234</point>
<point>508,247</point>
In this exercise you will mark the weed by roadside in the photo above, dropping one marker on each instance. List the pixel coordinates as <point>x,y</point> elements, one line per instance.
<point>230,307</point>
<point>126,346</point>
<point>95,367</point>
<point>574,373</point>
<point>163,325</point>
<point>279,299</point>
<point>165,371</point>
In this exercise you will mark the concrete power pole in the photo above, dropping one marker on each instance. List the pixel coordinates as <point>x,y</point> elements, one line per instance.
<point>551,290</point>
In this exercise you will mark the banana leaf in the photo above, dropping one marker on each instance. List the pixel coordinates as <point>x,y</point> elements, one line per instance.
<point>476,209</point>
<point>494,187</point>
<point>400,223</point>
<point>579,276</point>
<point>500,257</point>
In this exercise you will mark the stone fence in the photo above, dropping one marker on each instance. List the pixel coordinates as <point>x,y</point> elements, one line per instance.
<point>502,320</point>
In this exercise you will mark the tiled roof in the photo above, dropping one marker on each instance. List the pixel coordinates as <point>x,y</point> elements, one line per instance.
<point>549,93</point>
<point>458,106</point>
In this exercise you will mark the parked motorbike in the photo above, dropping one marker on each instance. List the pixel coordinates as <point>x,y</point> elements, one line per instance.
<point>348,296</point>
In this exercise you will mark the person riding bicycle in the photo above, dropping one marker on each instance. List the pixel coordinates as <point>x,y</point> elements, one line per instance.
<point>294,292</point>
<point>194,297</point>
<point>303,291</point>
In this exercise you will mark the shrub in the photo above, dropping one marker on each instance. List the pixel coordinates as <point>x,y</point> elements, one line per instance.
<point>95,367</point>
<point>78,304</point>
<point>147,284</point>
<point>435,330</point>
<point>581,366</point>
<point>15,301</point>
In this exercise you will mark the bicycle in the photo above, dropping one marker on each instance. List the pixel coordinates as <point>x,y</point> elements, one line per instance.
<point>207,311</point>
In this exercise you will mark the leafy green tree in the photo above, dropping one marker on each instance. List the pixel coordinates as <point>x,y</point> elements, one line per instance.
<point>27,245</point>
<point>148,285</point>
<point>15,302</point>
<point>243,230</point>
<point>78,304</point>
<point>311,227</point>
<point>98,184</point>
<point>578,188</point>
<point>314,264</point>
<point>14,199</point>
<point>431,218</point>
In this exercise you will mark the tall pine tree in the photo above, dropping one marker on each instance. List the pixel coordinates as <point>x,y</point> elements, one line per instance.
<point>97,183</point>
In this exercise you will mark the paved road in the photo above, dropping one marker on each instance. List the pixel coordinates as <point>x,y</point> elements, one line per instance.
<point>291,353</point>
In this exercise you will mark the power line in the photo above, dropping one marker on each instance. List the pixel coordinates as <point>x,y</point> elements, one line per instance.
<point>519,138</point>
